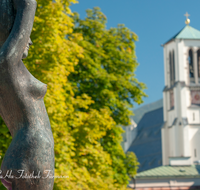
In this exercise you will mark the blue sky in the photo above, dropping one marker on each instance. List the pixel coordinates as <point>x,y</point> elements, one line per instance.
<point>154,21</point>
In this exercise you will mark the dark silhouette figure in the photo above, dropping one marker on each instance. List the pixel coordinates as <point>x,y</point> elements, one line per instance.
<point>29,161</point>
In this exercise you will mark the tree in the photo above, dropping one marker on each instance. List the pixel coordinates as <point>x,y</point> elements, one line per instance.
<point>51,59</point>
<point>78,152</point>
<point>83,153</point>
<point>106,74</point>
<point>131,164</point>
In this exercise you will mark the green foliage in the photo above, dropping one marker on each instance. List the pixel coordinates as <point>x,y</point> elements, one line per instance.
<point>5,139</point>
<point>90,82</point>
<point>77,128</point>
<point>51,59</point>
<point>131,164</point>
<point>106,74</point>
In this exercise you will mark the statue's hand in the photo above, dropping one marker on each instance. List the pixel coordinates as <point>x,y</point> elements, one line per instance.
<point>17,41</point>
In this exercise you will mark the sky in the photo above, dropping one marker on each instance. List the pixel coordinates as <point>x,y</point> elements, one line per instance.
<point>155,22</point>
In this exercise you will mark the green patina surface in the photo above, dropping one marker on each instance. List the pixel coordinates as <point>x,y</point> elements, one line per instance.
<point>171,171</point>
<point>187,32</point>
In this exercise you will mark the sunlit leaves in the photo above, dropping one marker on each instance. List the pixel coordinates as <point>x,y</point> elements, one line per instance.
<point>89,71</point>
<point>106,74</point>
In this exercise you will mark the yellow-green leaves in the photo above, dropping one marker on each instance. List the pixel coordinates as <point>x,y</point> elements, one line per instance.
<point>77,128</point>
<point>106,75</point>
<point>89,73</point>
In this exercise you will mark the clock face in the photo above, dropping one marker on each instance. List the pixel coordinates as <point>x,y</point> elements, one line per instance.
<point>195,95</point>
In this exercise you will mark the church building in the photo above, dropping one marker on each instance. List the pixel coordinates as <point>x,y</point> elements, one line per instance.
<point>181,98</point>
<point>177,155</point>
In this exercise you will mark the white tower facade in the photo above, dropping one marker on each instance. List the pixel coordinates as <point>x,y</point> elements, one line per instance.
<point>181,98</point>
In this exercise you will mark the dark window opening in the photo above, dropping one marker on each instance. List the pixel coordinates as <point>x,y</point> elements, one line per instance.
<point>172,67</point>
<point>171,99</point>
<point>191,66</point>
<point>198,63</point>
<point>195,153</point>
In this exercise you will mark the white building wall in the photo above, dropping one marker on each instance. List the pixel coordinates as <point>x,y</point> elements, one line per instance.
<point>165,103</point>
<point>193,116</point>
<point>165,131</point>
<point>180,161</point>
<point>171,116</point>
<point>182,140</point>
<point>194,142</point>
<point>164,140</point>
<point>167,182</point>
<point>185,101</point>
<point>129,135</point>
<point>171,143</point>
<point>186,142</point>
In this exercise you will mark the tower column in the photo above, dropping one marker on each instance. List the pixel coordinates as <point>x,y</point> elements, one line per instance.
<point>195,65</point>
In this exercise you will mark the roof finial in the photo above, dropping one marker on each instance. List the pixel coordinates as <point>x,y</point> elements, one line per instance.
<point>187,21</point>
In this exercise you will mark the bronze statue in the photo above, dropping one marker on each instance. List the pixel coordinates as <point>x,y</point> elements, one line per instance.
<point>29,161</point>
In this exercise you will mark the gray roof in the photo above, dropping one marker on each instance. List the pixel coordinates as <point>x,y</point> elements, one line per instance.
<point>147,145</point>
<point>139,112</point>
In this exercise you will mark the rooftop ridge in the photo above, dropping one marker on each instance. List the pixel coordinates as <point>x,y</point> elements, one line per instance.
<point>188,32</point>
<point>168,170</point>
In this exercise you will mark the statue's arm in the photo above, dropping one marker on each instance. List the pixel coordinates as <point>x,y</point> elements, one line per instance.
<point>12,50</point>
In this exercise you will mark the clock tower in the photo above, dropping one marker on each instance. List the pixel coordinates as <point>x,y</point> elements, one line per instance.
<point>181,98</point>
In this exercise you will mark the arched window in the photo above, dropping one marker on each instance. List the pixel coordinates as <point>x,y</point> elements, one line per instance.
<point>172,67</point>
<point>191,66</point>
<point>198,63</point>
<point>171,94</point>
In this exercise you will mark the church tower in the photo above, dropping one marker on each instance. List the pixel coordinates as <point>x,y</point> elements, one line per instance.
<point>181,98</point>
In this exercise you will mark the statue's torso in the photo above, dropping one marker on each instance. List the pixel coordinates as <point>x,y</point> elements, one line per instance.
<point>22,108</point>
<point>32,146</point>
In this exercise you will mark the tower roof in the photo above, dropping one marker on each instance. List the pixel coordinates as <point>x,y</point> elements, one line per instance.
<point>187,32</point>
